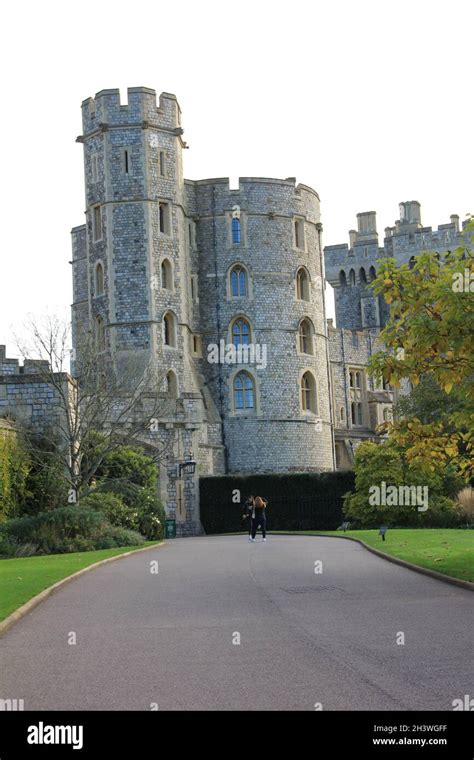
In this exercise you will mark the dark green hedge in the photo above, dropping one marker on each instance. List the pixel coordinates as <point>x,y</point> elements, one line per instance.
<point>300,501</point>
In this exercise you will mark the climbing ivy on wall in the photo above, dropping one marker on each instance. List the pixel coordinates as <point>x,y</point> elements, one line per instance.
<point>15,466</point>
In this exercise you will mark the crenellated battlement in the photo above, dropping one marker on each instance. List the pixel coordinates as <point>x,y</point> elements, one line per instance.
<point>106,110</point>
<point>406,239</point>
<point>256,195</point>
<point>341,258</point>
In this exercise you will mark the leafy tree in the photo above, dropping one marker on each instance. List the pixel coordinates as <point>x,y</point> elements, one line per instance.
<point>429,403</point>
<point>387,464</point>
<point>130,464</point>
<point>430,335</point>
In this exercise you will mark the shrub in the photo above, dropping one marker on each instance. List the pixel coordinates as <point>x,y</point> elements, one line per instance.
<point>151,523</point>
<point>464,506</point>
<point>116,536</point>
<point>7,546</point>
<point>24,550</point>
<point>145,512</point>
<point>142,512</point>
<point>57,531</point>
<point>113,508</point>
<point>47,485</point>
<point>375,464</point>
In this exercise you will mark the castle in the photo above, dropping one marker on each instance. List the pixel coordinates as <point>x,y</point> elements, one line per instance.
<point>224,288</point>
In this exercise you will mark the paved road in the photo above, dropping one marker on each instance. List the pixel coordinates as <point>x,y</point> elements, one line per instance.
<point>305,638</point>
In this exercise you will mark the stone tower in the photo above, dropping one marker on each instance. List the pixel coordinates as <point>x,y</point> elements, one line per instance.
<point>134,220</point>
<point>349,269</point>
<point>169,270</point>
<point>131,271</point>
<point>261,282</point>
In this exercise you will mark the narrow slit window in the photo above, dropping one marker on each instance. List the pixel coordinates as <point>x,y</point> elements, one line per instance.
<point>164,218</point>
<point>166,275</point>
<point>299,234</point>
<point>97,223</point>
<point>236,231</point>
<point>169,324</point>
<point>308,393</point>
<point>95,168</point>
<point>99,280</point>
<point>194,288</point>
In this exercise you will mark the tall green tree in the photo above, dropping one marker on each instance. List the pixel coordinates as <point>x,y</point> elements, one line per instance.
<point>430,335</point>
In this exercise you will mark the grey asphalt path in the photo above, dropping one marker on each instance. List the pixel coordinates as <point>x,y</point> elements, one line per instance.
<point>305,638</point>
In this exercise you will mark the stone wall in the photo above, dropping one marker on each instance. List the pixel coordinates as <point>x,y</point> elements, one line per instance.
<point>26,396</point>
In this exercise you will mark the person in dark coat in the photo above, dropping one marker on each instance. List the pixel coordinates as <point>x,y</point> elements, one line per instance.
<point>248,508</point>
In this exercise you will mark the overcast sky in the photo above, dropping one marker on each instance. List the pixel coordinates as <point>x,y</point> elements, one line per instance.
<point>368,102</point>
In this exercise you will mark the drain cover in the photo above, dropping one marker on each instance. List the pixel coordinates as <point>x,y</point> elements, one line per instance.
<point>310,589</point>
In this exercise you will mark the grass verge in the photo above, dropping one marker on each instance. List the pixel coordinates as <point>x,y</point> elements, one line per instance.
<point>447,550</point>
<point>22,578</point>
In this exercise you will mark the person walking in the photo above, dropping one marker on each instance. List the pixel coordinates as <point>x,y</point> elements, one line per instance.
<point>248,509</point>
<point>259,517</point>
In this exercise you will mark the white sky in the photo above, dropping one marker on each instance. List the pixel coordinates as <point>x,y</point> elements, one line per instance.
<point>368,102</point>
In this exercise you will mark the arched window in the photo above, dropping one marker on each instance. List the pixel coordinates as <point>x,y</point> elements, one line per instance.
<point>169,329</point>
<point>362,276</point>
<point>352,278</point>
<point>238,281</point>
<point>240,332</point>
<point>355,379</point>
<point>171,384</point>
<point>166,275</point>
<point>412,262</point>
<point>308,393</point>
<point>342,278</point>
<point>100,333</point>
<point>342,414</point>
<point>244,391</point>
<point>305,337</point>
<point>236,230</point>
<point>302,285</point>
<point>99,280</point>
<point>372,273</point>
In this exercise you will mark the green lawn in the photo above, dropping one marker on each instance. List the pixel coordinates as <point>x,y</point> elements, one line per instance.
<point>23,578</point>
<point>449,551</point>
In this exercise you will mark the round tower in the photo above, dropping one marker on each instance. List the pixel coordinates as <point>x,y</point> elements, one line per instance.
<point>262,321</point>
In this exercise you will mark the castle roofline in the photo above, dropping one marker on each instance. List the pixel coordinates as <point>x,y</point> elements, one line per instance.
<point>291,182</point>
<point>130,90</point>
<point>78,227</point>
